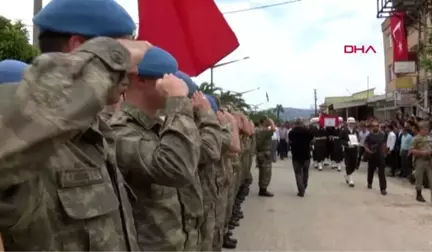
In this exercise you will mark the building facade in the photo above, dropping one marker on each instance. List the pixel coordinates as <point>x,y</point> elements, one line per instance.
<point>406,26</point>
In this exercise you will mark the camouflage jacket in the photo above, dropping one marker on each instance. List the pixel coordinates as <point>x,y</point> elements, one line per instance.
<point>253,143</point>
<point>263,139</point>
<point>221,166</point>
<point>61,189</point>
<point>155,157</point>
<point>211,144</point>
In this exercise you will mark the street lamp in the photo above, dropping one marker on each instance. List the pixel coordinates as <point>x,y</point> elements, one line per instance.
<point>257,105</point>
<point>245,92</point>
<point>37,6</point>
<point>224,64</point>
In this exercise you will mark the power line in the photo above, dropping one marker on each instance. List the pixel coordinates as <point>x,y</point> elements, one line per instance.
<point>260,7</point>
<point>245,10</point>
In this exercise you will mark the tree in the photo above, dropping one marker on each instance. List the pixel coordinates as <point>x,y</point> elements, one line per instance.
<point>236,99</point>
<point>209,88</point>
<point>256,116</point>
<point>14,41</point>
<point>278,110</point>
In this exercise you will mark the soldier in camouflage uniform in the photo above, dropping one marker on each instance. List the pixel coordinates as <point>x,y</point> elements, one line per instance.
<point>222,181</point>
<point>11,71</point>
<point>157,157</point>
<point>422,151</point>
<point>246,162</point>
<point>211,137</point>
<point>239,170</point>
<point>69,165</point>
<point>263,155</point>
<point>211,144</point>
<point>232,173</point>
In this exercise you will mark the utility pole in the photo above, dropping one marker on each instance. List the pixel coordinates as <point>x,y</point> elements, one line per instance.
<point>316,100</point>
<point>37,6</point>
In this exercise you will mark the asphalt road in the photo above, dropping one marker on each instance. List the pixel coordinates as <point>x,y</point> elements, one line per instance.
<point>333,216</point>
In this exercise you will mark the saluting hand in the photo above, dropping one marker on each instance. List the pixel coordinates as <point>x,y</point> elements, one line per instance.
<point>171,86</point>
<point>137,50</point>
<point>199,101</point>
<point>221,118</point>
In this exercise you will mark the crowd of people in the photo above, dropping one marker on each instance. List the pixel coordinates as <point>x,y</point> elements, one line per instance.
<point>394,148</point>
<point>107,146</point>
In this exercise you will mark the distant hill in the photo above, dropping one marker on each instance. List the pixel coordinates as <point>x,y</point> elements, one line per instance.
<point>291,114</point>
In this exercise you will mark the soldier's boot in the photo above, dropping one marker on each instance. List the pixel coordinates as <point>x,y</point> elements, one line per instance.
<point>264,193</point>
<point>238,201</point>
<point>234,240</point>
<point>320,166</point>
<point>246,190</point>
<point>339,167</point>
<point>228,243</point>
<point>241,195</point>
<point>234,223</point>
<point>239,214</point>
<point>419,196</point>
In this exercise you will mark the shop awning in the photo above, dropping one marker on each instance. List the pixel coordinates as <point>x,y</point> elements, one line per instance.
<point>350,104</point>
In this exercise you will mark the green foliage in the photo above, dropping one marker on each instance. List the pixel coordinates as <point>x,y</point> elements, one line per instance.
<point>225,97</point>
<point>14,41</point>
<point>258,115</point>
<point>278,110</point>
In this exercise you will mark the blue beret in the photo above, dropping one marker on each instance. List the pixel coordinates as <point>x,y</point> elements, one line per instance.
<point>156,63</point>
<point>189,82</point>
<point>11,71</point>
<point>85,17</point>
<point>212,101</point>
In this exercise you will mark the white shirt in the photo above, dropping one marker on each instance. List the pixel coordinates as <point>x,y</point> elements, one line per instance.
<point>276,134</point>
<point>283,133</point>
<point>391,140</point>
<point>362,136</point>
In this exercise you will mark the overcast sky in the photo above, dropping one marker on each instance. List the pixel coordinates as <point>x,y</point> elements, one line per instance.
<point>292,48</point>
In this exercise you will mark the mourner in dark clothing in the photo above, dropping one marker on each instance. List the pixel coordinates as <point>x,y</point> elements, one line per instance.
<point>351,149</point>
<point>336,151</point>
<point>375,145</point>
<point>300,138</point>
<point>320,151</point>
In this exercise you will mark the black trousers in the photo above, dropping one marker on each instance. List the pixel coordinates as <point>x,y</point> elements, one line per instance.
<point>283,149</point>
<point>392,161</point>
<point>377,162</point>
<point>350,160</point>
<point>406,164</point>
<point>360,156</point>
<point>301,172</point>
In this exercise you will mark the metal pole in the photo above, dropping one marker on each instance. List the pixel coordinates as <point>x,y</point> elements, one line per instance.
<point>37,6</point>
<point>315,101</point>
<point>211,75</point>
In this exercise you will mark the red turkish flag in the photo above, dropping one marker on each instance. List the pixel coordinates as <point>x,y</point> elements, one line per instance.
<point>194,31</point>
<point>400,44</point>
